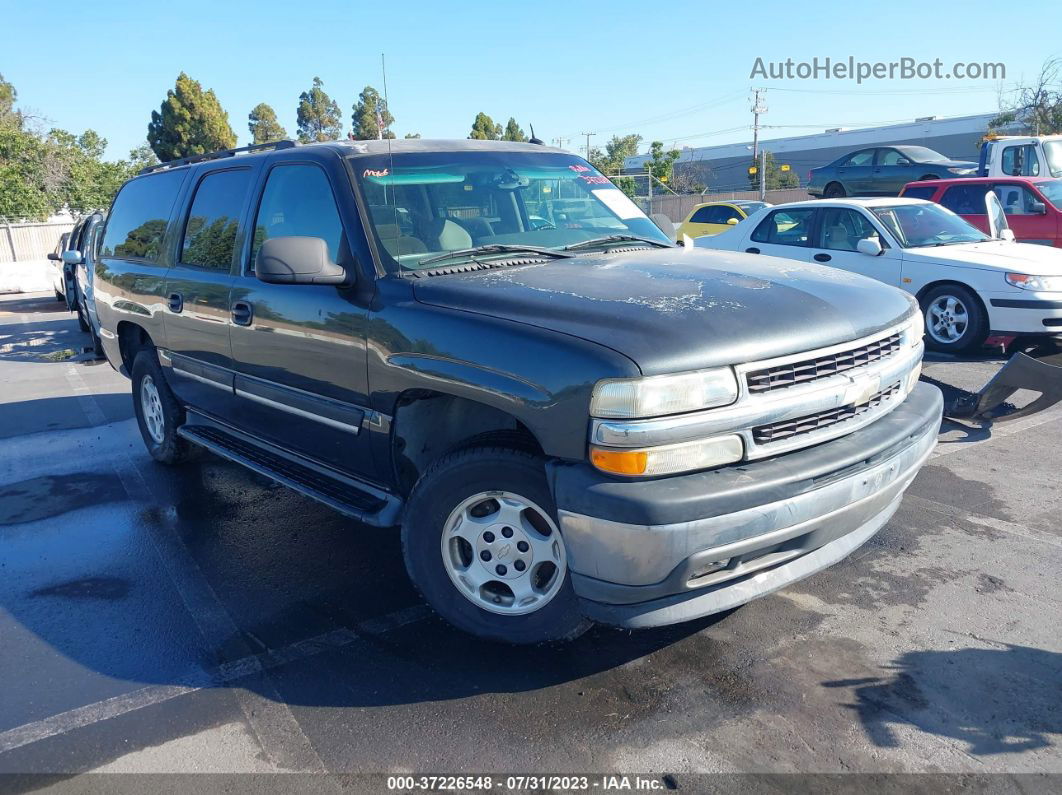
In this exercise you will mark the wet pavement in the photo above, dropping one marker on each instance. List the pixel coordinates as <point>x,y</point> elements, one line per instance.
<point>203,619</point>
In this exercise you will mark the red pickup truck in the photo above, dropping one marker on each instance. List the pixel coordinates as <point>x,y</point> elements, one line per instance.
<point>1033,204</point>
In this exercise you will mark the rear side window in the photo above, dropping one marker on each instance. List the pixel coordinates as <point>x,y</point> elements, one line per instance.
<point>919,192</point>
<point>964,199</point>
<point>137,223</point>
<point>785,228</point>
<point>298,201</point>
<point>210,232</point>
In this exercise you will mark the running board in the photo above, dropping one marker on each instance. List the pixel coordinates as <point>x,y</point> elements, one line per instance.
<point>343,494</point>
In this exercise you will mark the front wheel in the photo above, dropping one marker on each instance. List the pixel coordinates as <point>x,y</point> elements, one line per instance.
<point>158,413</point>
<point>955,319</point>
<point>481,542</point>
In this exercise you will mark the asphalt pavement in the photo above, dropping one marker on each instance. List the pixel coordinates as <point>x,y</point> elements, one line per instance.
<point>201,619</point>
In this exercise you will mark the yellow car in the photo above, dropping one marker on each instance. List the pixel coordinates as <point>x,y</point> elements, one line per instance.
<point>712,218</point>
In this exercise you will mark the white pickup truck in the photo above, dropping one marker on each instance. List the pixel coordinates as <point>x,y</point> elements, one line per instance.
<point>1021,156</point>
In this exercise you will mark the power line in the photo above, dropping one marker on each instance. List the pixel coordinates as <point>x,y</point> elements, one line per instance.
<point>587,134</point>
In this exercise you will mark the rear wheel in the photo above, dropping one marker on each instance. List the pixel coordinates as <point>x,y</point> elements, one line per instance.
<point>482,544</point>
<point>835,190</point>
<point>158,413</point>
<point>955,319</point>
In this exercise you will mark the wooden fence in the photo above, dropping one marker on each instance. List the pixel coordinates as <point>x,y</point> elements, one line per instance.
<point>33,241</point>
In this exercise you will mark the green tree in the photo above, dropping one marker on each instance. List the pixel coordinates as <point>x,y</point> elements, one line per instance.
<point>9,117</point>
<point>776,178</point>
<point>364,119</point>
<point>412,135</point>
<point>513,131</point>
<point>1036,105</point>
<point>264,126</point>
<point>661,164</point>
<point>191,121</point>
<point>484,128</point>
<point>618,149</point>
<point>318,115</point>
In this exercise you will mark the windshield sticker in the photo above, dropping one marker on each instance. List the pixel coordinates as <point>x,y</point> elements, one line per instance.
<point>578,169</point>
<point>595,180</point>
<point>617,201</point>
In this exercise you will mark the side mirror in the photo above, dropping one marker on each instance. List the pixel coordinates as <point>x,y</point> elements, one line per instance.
<point>731,221</point>
<point>1007,234</point>
<point>1038,208</point>
<point>54,257</point>
<point>72,257</point>
<point>870,246</point>
<point>297,260</point>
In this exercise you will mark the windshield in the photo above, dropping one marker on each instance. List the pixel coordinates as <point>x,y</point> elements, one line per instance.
<point>927,224</point>
<point>1053,155</point>
<point>426,204</point>
<point>921,154</point>
<point>751,207</point>
<point>1052,191</point>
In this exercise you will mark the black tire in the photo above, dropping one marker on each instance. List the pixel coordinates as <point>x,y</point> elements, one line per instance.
<point>835,190</point>
<point>450,481</point>
<point>976,328</point>
<point>82,321</point>
<point>928,176</point>
<point>97,345</point>
<point>169,448</point>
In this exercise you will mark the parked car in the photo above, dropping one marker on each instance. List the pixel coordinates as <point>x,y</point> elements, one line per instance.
<point>55,259</point>
<point>83,261</point>
<point>1033,206</point>
<point>569,421</point>
<point>65,264</point>
<point>883,171</point>
<point>970,285</point>
<point>711,218</point>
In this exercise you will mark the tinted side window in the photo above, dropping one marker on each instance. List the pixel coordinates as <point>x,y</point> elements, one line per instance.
<point>864,158</point>
<point>702,216</point>
<point>298,200</point>
<point>137,223</point>
<point>785,228</point>
<point>964,199</point>
<point>210,232</point>
<point>919,192</point>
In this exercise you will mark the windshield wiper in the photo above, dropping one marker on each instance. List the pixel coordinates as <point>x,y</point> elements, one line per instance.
<point>496,248</point>
<point>598,241</point>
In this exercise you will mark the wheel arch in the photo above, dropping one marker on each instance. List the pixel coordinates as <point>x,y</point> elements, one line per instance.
<point>132,338</point>
<point>428,424</point>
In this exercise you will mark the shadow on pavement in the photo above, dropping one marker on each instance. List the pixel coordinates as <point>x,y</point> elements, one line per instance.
<point>997,701</point>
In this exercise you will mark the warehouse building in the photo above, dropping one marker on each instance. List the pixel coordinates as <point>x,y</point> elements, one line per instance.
<point>725,167</point>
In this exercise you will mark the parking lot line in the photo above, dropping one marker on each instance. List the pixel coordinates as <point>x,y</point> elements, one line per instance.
<point>222,676</point>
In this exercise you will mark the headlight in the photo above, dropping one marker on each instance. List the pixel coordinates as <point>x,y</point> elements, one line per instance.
<point>912,331</point>
<point>656,396</point>
<point>670,459</point>
<point>1047,284</point>
<point>961,170</point>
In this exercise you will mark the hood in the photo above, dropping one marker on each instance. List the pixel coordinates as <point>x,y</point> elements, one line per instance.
<point>998,255</point>
<point>951,163</point>
<point>679,309</point>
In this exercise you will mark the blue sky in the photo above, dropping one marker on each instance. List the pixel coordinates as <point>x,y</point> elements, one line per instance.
<point>677,71</point>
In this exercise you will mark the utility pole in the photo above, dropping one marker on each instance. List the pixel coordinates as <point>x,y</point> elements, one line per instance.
<point>759,105</point>
<point>560,141</point>
<point>588,134</point>
<point>763,175</point>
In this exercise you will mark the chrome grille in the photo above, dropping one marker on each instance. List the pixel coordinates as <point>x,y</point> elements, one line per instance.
<point>777,431</point>
<point>799,372</point>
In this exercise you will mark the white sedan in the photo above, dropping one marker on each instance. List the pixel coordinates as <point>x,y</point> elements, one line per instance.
<point>970,286</point>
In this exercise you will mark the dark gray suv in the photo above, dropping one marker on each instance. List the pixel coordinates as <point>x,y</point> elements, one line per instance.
<point>490,346</point>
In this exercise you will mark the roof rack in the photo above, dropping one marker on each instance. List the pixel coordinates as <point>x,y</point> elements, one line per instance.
<point>184,161</point>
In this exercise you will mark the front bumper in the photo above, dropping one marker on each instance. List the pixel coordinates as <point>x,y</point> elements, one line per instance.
<point>646,553</point>
<point>1025,312</point>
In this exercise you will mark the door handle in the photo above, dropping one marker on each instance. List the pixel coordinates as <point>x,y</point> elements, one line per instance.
<point>752,251</point>
<point>823,258</point>
<point>176,302</point>
<point>242,313</point>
